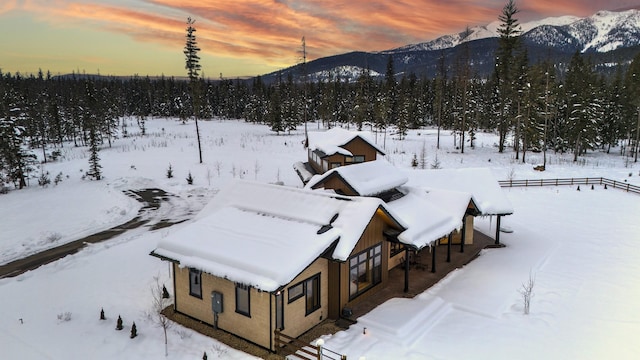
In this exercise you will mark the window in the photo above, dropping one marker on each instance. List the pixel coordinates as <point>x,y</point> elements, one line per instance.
<point>295,292</point>
<point>396,248</point>
<point>243,300</point>
<point>354,159</point>
<point>358,158</point>
<point>365,270</point>
<point>334,165</point>
<point>195,283</point>
<point>312,293</point>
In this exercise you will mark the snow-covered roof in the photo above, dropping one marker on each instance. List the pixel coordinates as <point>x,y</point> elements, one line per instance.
<point>367,178</point>
<point>480,182</point>
<point>331,141</point>
<point>264,235</point>
<point>428,220</point>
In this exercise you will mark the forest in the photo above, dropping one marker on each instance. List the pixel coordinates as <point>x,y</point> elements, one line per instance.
<point>532,107</point>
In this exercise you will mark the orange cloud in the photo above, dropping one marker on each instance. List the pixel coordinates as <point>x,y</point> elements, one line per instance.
<point>8,5</point>
<point>270,30</point>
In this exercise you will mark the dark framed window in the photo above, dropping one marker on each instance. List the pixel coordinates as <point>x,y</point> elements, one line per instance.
<point>365,270</point>
<point>312,293</point>
<point>280,310</point>
<point>334,165</point>
<point>195,283</point>
<point>354,159</point>
<point>396,248</point>
<point>243,300</point>
<point>295,292</point>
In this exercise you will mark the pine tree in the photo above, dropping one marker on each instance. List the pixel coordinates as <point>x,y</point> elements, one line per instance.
<point>509,31</point>
<point>119,323</point>
<point>134,330</point>
<point>192,64</point>
<point>632,85</point>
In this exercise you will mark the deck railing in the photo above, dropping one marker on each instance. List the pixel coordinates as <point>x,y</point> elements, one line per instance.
<point>303,350</point>
<point>572,181</point>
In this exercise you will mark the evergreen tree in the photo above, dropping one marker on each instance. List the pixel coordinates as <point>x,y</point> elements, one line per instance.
<point>632,85</point>
<point>509,31</point>
<point>192,64</point>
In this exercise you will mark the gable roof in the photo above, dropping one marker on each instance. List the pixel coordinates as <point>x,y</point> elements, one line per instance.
<point>265,235</point>
<point>427,222</point>
<point>332,141</point>
<point>366,179</point>
<point>480,182</point>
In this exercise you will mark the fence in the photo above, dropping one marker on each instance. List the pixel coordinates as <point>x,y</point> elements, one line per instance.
<point>303,350</point>
<point>572,181</point>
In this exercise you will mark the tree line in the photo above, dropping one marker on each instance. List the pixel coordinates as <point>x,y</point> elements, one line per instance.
<point>532,107</point>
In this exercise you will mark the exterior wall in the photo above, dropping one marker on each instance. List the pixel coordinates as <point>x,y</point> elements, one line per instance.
<point>468,236</point>
<point>372,235</point>
<point>395,260</point>
<point>255,328</point>
<point>296,322</point>
<point>357,146</point>
<point>336,183</point>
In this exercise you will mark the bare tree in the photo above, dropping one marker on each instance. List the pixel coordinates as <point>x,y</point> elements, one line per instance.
<point>159,302</point>
<point>527,292</point>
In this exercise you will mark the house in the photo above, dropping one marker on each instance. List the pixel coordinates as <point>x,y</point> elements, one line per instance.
<point>336,147</point>
<point>433,216</point>
<point>263,257</point>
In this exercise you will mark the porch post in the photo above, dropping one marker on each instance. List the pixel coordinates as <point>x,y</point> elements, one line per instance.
<point>463,232</point>
<point>406,270</point>
<point>449,248</point>
<point>433,257</point>
<point>498,231</point>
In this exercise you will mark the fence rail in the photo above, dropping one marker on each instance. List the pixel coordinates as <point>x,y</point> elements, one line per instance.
<point>572,181</point>
<point>305,350</point>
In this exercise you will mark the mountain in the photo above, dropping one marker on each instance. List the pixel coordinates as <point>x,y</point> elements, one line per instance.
<point>609,38</point>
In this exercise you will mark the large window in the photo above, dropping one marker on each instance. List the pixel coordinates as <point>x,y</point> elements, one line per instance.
<point>243,303</point>
<point>365,270</point>
<point>195,283</point>
<point>312,293</point>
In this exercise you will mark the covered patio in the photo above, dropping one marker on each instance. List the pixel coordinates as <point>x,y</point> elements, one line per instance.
<point>421,275</point>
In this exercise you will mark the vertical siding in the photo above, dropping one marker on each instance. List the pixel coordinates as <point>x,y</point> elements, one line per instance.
<point>358,146</point>
<point>372,235</point>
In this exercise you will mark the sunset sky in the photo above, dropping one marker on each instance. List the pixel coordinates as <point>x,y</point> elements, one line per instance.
<point>237,37</point>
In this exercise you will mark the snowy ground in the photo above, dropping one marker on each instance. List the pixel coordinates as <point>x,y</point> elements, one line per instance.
<point>581,247</point>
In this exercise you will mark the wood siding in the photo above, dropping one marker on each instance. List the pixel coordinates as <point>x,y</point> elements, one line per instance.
<point>296,321</point>
<point>255,328</point>
<point>372,236</point>
<point>357,146</point>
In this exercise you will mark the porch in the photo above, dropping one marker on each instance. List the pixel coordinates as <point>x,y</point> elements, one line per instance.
<point>421,276</point>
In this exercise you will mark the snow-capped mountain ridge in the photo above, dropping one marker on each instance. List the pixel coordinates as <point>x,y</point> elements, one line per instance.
<point>604,31</point>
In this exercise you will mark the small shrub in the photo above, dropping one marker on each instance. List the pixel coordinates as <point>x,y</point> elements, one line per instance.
<point>169,172</point>
<point>414,161</point>
<point>134,330</point>
<point>526,291</point>
<point>64,316</point>
<point>119,323</point>
<point>58,179</point>
<point>190,179</point>
<point>102,317</point>
<point>44,179</point>
<point>165,293</point>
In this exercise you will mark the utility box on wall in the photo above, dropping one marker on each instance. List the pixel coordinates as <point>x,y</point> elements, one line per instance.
<point>216,302</point>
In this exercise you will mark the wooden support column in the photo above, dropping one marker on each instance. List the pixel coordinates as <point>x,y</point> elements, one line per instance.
<point>463,233</point>
<point>433,257</point>
<point>498,231</point>
<point>406,270</point>
<point>449,247</point>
